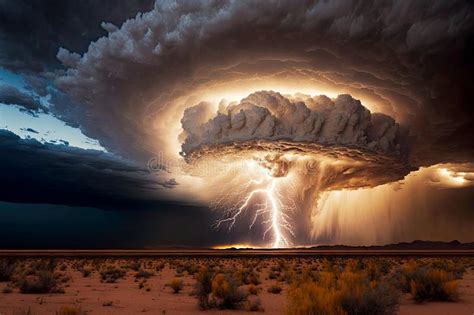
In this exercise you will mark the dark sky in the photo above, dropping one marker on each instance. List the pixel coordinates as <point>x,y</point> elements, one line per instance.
<point>56,226</point>
<point>121,73</point>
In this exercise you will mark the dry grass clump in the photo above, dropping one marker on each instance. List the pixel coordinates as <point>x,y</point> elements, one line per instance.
<point>225,293</point>
<point>310,298</point>
<point>135,265</point>
<point>284,272</point>
<point>143,274</point>
<point>191,266</point>
<point>176,284</point>
<point>40,281</point>
<point>429,282</point>
<point>254,304</point>
<point>275,289</point>
<point>203,286</point>
<point>39,277</point>
<point>86,271</point>
<point>218,290</point>
<point>111,274</point>
<point>457,268</point>
<point>7,267</point>
<point>349,291</point>
<point>247,276</point>
<point>191,269</point>
<point>159,266</point>
<point>253,289</point>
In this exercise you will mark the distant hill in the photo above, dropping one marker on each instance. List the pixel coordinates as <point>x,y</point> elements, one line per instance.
<point>415,245</point>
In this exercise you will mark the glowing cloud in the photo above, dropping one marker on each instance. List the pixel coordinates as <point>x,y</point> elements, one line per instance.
<point>291,149</point>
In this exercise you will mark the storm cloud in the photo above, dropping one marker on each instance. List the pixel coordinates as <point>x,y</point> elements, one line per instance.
<point>269,116</point>
<point>31,31</point>
<point>388,53</point>
<point>130,74</point>
<point>10,95</point>
<point>59,174</point>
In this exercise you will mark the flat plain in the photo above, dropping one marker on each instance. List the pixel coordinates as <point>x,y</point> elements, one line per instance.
<point>178,281</point>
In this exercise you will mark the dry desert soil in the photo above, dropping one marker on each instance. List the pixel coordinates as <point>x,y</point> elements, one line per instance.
<point>144,286</point>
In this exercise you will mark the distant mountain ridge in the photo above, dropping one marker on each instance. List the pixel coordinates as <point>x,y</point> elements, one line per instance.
<point>415,245</point>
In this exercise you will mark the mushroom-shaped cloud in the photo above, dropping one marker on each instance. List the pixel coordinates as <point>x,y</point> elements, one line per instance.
<point>317,142</point>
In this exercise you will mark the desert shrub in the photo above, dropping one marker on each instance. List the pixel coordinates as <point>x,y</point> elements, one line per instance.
<point>457,269</point>
<point>433,284</point>
<point>111,274</point>
<point>225,294</point>
<point>435,281</point>
<point>176,284</point>
<point>7,267</point>
<point>180,268</point>
<point>273,275</point>
<point>275,289</point>
<point>254,278</point>
<point>143,274</point>
<point>70,310</point>
<point>61,277</point>
<point>218,290</point>
<point>203,286</point>
<point>43,264</point>
<point>42,281</point>
<point>38,277</point>
<point>309,298</point>
<point>288,276</point>
<point>385,266</point>
<point>135,265</point>
<point>247,276</point>
<point>86,272</point>
<point>253,289</point>
<point>191,269</point>
<point>160,266</point>
<point>254,304</point>
<point>347,292</point>
<point>377,299</point>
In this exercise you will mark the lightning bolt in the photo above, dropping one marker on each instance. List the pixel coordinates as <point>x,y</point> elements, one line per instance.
<point>273,210</point>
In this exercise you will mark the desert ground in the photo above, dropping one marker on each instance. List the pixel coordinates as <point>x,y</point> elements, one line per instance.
<point>237,285</point>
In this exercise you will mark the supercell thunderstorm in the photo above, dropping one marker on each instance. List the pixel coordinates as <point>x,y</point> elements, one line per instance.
<point>296,169</point>
<point>271,155</point>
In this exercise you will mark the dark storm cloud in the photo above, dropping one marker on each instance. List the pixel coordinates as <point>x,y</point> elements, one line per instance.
<point>411,58</point>
<point>10,95</point>
<point>37,83</point>
<point>30,130</point>
<point>31,31</point>
<point>34,172</point>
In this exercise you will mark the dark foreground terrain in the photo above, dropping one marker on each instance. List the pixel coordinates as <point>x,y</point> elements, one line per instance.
<point>237,281</point>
